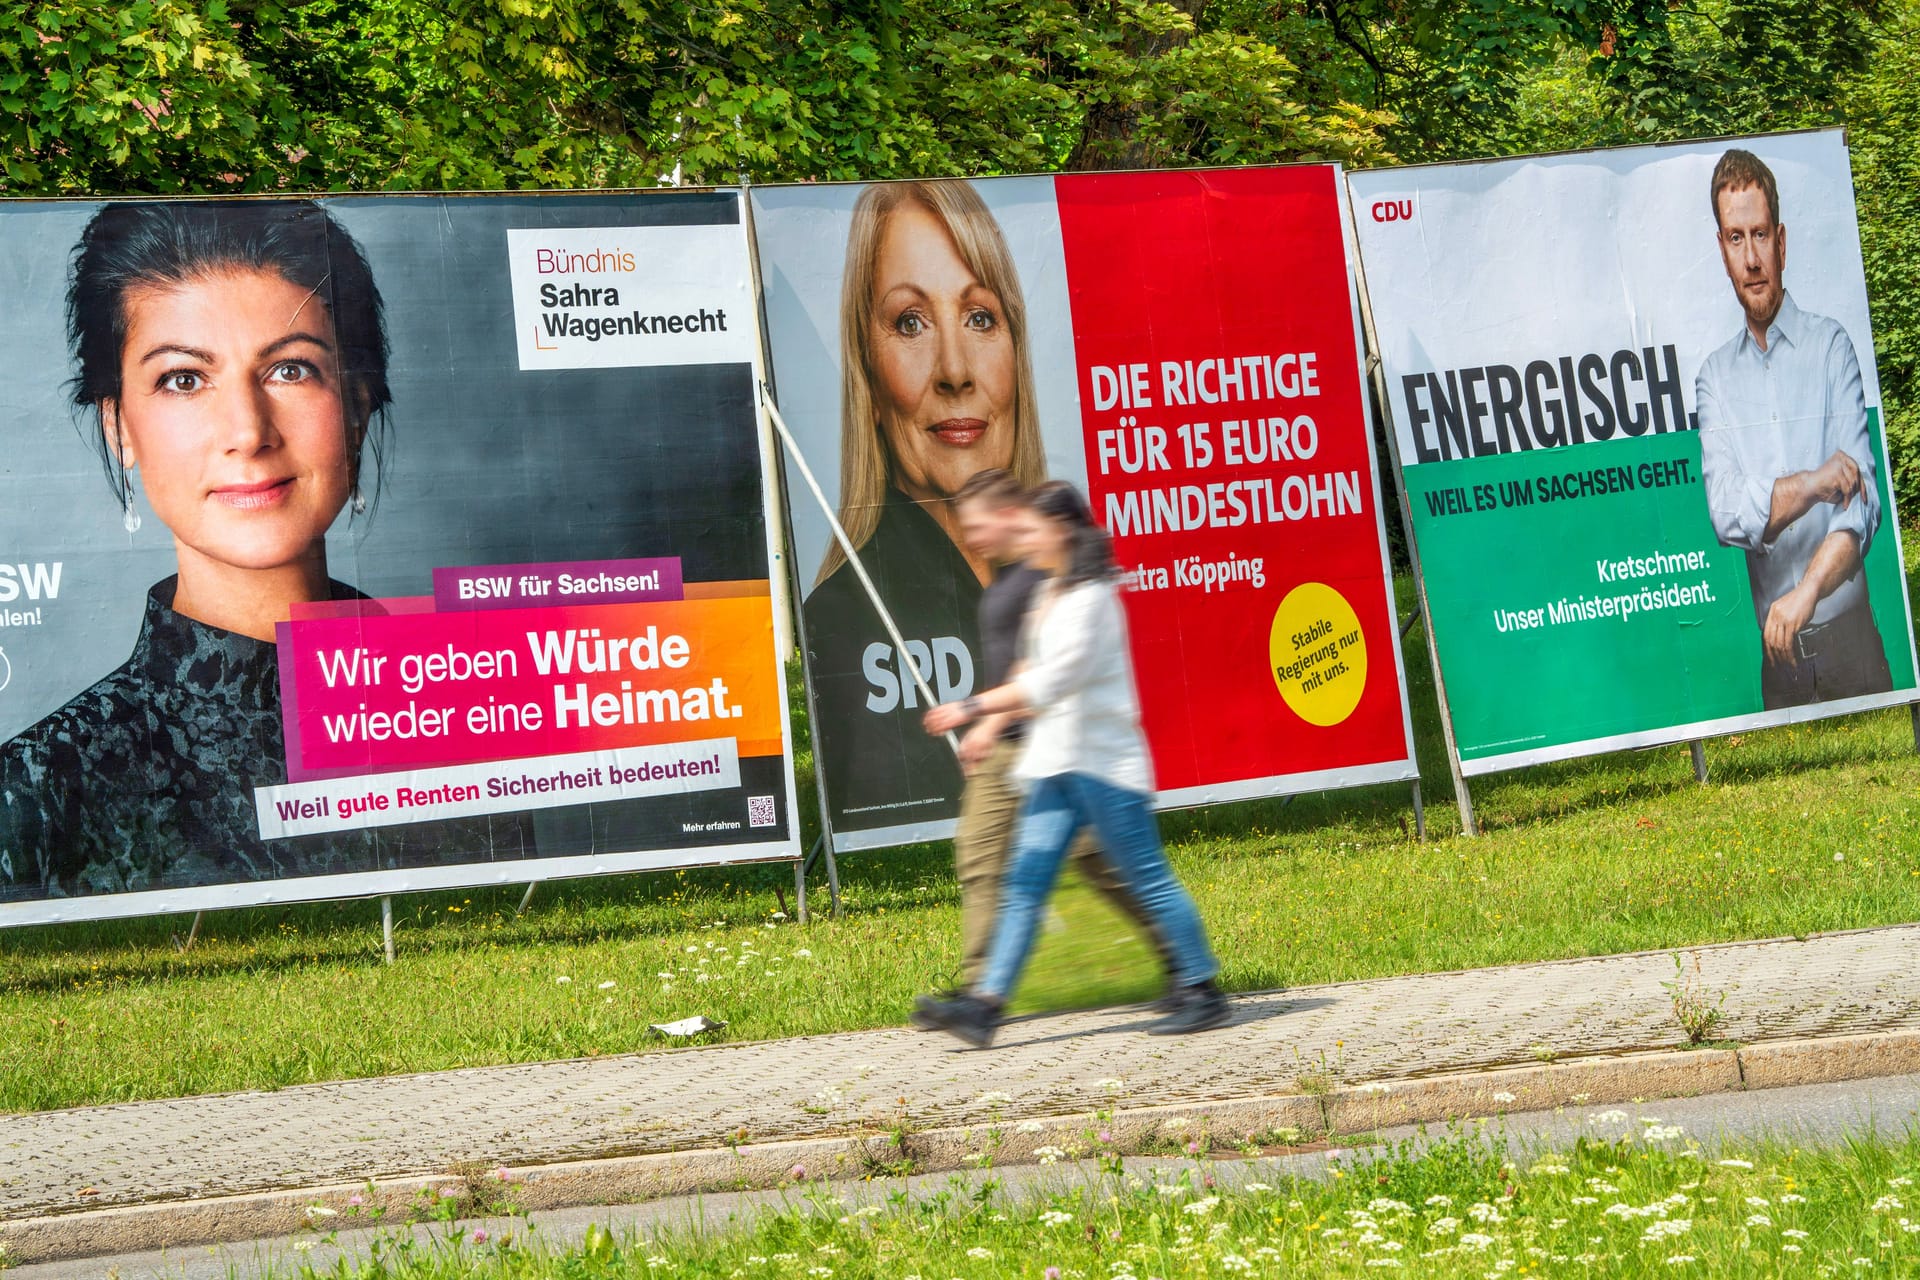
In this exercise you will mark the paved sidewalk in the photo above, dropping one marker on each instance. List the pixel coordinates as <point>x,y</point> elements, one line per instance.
<point>1059,1065</point>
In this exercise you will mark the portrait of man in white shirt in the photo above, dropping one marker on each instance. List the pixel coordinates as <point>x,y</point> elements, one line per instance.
<point>1788,465</point>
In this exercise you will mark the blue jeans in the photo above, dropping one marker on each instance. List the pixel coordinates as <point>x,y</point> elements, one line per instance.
<point>1055,811</point>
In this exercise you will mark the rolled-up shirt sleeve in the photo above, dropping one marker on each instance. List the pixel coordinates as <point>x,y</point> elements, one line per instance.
<point>1063,654</point>
<point>1739,504</point>
<point>1847,427</point>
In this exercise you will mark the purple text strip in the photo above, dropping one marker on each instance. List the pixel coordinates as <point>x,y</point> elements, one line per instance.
<point>521,586</point>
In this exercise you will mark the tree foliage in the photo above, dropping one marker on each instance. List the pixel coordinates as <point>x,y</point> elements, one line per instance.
<point>1883,110</point>
<point>171,96</point>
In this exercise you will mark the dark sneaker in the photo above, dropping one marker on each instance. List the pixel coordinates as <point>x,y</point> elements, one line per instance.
<point>967,1017</point>
<point>1201,1008</point>
<point>921,1019</point>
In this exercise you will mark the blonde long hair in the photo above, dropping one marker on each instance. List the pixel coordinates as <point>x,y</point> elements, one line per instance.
<point>865,469</point>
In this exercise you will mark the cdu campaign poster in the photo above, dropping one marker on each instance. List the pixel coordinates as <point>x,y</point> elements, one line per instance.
<point>1639,428</point>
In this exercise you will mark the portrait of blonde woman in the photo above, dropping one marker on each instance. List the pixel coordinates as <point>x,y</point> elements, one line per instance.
<point>936,385</point>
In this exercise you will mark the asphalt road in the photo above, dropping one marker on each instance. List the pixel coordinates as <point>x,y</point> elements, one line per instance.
<point>1813,1115</point>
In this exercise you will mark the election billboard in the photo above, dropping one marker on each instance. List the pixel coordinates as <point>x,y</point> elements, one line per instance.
<point>371,544</point>
<point>1183,346</point>
<point>1640,434</point>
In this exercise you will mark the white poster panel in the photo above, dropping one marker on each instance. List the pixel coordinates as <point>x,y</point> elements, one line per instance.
<point>1639,429</point>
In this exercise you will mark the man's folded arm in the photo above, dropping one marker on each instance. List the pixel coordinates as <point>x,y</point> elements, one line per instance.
<point>1743,508</point>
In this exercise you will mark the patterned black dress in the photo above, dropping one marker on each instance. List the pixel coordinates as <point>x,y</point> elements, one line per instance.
<point>146,780</point>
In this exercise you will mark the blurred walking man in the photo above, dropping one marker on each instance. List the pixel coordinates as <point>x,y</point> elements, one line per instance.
<point>988,506</point>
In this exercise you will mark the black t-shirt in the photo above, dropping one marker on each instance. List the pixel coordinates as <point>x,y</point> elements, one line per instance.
<point>882,769</point>
<point>1003,611</point>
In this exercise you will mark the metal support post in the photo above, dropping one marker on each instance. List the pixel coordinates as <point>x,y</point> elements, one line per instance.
<point>1419,813</point>
<point>833,877</point>
<point>526,899</point>
<point>386,926</point>
<point>1377,383</point>
<point>1698,749</point>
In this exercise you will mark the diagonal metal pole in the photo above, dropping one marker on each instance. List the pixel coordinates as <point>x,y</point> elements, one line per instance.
<point>852,553</point>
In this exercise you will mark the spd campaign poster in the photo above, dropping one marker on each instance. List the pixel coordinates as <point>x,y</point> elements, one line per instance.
<point>362,545</point>
<point>1182,345</point>
<point>1639,428</point>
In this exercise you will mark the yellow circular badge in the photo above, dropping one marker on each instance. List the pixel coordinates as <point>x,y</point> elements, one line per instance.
<point>1318,655</point>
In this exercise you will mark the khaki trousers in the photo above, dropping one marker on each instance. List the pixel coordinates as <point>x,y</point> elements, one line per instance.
<point>982,844</point>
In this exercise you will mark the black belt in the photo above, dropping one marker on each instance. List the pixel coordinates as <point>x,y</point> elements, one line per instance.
<point>1814,640</point>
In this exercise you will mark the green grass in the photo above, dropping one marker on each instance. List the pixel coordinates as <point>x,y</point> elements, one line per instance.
<point>1642,1204</point>
<point>1618,853</point>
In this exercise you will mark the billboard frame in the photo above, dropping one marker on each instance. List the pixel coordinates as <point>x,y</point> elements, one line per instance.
<point>1693,733</point>
<point>382,884</point>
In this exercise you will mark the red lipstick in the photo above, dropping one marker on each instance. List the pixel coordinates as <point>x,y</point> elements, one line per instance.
<point>959,432</point>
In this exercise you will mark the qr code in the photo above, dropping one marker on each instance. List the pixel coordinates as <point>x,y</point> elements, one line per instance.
<point>759,811</point>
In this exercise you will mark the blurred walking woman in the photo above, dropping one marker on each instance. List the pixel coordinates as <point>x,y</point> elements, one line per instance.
<point>232,360</point>
<point>1086,765</point>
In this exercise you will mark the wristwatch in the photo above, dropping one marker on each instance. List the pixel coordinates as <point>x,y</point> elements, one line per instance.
<point>970,707</point>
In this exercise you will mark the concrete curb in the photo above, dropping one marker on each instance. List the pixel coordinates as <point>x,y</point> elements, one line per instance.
<point>1340,1111</point>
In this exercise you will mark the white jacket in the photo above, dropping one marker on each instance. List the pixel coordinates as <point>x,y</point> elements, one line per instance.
<point>1077,678</point>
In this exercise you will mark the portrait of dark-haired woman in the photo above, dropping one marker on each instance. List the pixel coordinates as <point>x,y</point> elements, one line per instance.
<point>231,361</point>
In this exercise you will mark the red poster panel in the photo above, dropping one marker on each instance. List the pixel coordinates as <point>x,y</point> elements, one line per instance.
<point>1228,452</point>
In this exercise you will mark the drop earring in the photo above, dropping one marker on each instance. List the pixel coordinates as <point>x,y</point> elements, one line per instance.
<point>130,519</point>
<point>359,501</point>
